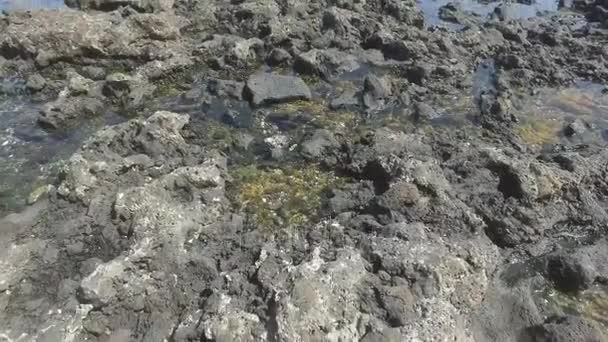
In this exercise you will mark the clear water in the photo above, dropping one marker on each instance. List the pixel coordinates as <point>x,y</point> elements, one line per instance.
<point>483,9</point>
<point>28,154</point>
<point>24,5</point>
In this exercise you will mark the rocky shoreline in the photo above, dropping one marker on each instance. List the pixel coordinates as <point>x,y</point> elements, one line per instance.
<point>279,170</point>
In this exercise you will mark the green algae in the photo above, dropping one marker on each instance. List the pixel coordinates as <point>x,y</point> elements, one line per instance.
<point>322,116</point>
<point>592,304</point>
<point>538,131</point>
<point>281,199</point>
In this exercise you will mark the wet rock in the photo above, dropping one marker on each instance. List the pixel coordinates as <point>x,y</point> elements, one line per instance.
<point>278,56</point>
<point>423,111</point>
<point>562,329</point>
<point>325,63</point>
<point>110,5</point>
<point>375,92</point>
<point>263,89</point>
<point>231,50</point>
<point>94,73</point>
<point>347,99</point>
<point>404,11</point>
<point>66,111</point>
<point>418,73</point>
<point>35,83</point>
<point>318,143</point>
<point>78,85</point>
<point>576,127</point>
<point>570,272</point>
<point>127,91</point>
<point>509,61</point>
<point>224,88</point>
<point>394,48</point>
<point>351,197</point>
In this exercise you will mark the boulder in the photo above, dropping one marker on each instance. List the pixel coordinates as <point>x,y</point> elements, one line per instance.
<point>263,89</point>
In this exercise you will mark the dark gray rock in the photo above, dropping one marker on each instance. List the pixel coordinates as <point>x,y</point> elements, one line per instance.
<point>110,5</point>
<point>35,82</point>
<point>278,56</point>
<point>316,145</point>
<point>576,127</point>
<point>563,329</point>
<point>224,88</point>
<point>423,111</point>
<point>348,98</point>
<point>570,272</point>
<point>127,91</point>
<point>263,89</point>
<point>66,111</point>
<point>376,92</point>
<point>94,73</point>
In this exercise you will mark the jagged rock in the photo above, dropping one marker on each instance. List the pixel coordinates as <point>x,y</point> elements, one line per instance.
<point>277,57</point>
<point>74,36</point>
<point>225,88</point>
<point>110,5</point>
<point>35,82</point>
<point>127,91</point>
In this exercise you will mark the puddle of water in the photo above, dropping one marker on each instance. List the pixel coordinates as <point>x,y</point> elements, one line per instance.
<point>545,116</point>
<point>591,304</point>
<point>28,154</point>
<point>25,5</point>
<point>483,9</point>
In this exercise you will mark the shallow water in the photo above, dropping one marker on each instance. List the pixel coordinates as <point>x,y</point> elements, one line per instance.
<point>28,154</point>
<point>23,5</point>
<point>545,116</point>
<point>483,9</point>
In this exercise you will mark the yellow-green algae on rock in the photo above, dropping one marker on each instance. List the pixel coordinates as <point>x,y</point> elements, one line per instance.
<point>591,304</point>
<point>281,199</point>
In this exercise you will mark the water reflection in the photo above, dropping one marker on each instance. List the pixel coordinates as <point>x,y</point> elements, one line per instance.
<point>23,5</point>
<point>483,9</point>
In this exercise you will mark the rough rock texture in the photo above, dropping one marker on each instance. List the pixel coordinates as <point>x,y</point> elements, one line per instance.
<point>437,209</point>
<point>74,36</point>
<point>264,89</point>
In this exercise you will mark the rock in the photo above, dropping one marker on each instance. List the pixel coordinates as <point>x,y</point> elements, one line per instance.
<point>278,56</point>
<point>377,87</point>
<point>418,73</point>
<point>74,36</point>
<point>35,82</point>
<point>570,273</point>
<point>509,61</point>
<point>94,73</point>
<point>347,99</point>
<point>223,88</point>
<point>111,5</point>
<point>67,111</point>
<point>35,195</point>
<point>263,89</point>
<point>127,91</point>
<point>375,92</point>
<point>317,144</point>
<point>576,127</point>
<point>78,85</point>
<point>396,49</point>
<point>98,288</point>
<point>423,111</point>
<point>564,329</point>
<point>325,63</point>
